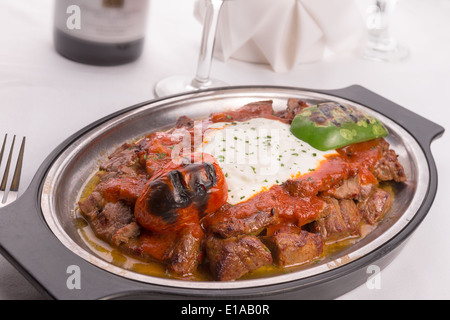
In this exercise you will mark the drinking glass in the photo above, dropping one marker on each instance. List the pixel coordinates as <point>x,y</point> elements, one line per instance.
<point>380,45</point>
<point>202,80</point>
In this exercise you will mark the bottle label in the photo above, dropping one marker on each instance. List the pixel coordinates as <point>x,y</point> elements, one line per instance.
<point>105,21</point>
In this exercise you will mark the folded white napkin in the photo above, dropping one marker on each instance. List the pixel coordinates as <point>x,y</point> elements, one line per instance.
<point>284,33</point>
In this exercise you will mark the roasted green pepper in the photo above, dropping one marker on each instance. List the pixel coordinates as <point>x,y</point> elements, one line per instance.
<point>332,125</point>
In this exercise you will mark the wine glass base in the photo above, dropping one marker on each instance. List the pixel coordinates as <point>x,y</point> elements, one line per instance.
<point>388,52</point>
<point>180,84</point>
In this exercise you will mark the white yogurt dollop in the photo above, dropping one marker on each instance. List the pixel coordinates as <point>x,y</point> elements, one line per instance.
<point>255,155</point>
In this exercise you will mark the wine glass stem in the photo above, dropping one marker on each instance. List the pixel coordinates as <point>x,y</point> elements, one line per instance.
<point>207,47</point>
<point>379,24</point>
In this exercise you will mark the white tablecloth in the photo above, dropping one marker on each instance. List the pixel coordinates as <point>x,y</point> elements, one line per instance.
<point>47,98</point>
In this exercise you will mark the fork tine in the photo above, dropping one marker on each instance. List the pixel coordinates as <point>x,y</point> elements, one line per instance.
<point>18,171</point>
<point>8,164</point>
<point>3,149</point>
<point>8,196</point>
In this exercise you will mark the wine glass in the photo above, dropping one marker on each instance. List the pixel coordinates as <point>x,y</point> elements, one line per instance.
<point>202,80</point>
<point>380,45</point>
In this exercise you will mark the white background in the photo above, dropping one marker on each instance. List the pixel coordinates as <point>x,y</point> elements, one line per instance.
<point>47,98</point>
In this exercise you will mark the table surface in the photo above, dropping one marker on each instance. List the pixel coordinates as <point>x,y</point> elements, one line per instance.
<point>47,98</point>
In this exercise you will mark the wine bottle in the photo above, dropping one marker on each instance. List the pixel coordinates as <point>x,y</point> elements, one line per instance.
<point>100,32</point>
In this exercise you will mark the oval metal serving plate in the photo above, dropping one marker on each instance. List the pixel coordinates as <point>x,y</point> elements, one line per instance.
<point>70,171</point>
<point>39,237</point>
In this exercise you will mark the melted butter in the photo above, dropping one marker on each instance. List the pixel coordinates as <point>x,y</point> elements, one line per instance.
<point>93,181</point>
<point>149,268</point>
<point>118,258</point>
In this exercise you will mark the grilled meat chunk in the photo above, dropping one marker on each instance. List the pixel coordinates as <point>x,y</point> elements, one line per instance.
<point>184,122</point>
<point>294,248</point>
<point>110,220</point>
<point>122,188</point>
<point>260,109</point>
<point>124,156</point>
<point>123,235</point>
<point>251,224</point>
<point>331,224</point>
<point>375,206</point>
<point>294,106</point>
<point>92,204</point>
<point>340,219</point>
<point>351,215</point>
<point>348,189</point>
<point>185,254</point>
<point>231,258</point>
<point>249,217</point>
<point>331,174</point>
<point>388,167</point>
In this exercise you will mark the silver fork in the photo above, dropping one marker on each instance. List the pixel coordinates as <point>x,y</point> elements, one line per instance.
<point>9,195</point>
